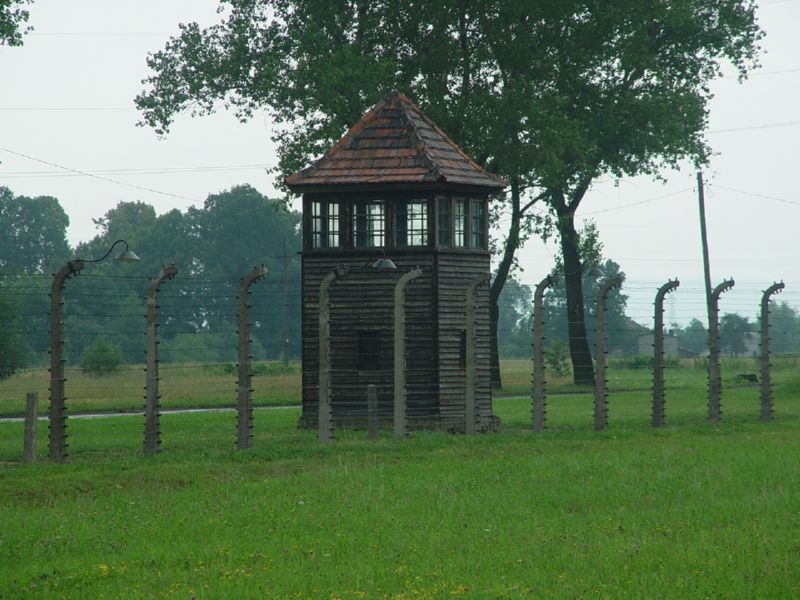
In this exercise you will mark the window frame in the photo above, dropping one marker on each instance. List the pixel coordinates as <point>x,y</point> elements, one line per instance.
<point>380,236</point>
<point>318,226</point>
<point>401,223</point>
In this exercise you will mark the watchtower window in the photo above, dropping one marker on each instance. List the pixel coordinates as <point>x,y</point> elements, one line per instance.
<point>460,223</point>
<point>412,223</point>
<point>369,225</point>
<point>443,218</point>
<point>369,350</point>
<point>479,224</point>
<point>324,224</point>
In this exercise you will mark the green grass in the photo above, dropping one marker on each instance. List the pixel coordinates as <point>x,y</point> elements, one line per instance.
<point>181,386</point>
<point>200,386</point>
<point>690,511</point>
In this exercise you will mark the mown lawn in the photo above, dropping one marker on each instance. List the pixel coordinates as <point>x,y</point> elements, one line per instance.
<point>691,511</point>
<point>202,386</point>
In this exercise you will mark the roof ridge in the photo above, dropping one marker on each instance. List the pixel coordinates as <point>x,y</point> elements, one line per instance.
<point>457,148</point>
<point>432,166</point>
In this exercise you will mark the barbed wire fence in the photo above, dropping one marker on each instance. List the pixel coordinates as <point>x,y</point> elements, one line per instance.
<point>202,351</point>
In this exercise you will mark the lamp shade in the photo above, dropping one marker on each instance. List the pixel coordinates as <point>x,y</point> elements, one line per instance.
<point>127,256</point>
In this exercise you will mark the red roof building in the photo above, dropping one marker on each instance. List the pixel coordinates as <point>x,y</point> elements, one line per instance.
<point>396,186</point>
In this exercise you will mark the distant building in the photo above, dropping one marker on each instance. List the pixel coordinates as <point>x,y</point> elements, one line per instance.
<point>645,345</point>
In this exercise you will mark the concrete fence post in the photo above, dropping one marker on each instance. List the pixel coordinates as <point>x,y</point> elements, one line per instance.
<point>470,407</point>
<point>244,389</point>
<point>714,368</point>
<point>58,409</point>
<point>400,392</point>
<point>325,421</point>
<point>152,430</point>
<point>658,353</point>
<point>767,409</point>
<point>538,383</point>
<point>601,383</point>
<point>31,420</point>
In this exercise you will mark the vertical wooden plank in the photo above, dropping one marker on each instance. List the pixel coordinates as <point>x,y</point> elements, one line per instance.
<point>372,410</point>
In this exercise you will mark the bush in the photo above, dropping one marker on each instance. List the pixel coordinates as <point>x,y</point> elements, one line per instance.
<point>556,359</point>
<point>101,358</point>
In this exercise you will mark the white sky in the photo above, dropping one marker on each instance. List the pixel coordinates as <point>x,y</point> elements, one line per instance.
<point>66,97</point>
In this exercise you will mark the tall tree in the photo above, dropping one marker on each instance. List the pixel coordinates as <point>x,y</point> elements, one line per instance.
<point>34,233</point>
<point>550,94</point>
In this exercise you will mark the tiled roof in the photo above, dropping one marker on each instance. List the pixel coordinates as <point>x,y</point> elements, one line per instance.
<point>394,143</point>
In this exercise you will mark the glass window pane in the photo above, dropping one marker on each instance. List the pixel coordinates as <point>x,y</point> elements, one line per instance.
<point>460,223</point>
<point>412,223</point>
<point>479,224</point>
<point>444,221</point>
<point>368,224</point>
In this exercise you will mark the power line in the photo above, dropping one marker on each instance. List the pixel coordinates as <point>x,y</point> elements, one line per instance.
<point>752,127</point>
<point>722,187</point>
<point>100,177</point>
<point>138,171</point>
<point>638,202</point>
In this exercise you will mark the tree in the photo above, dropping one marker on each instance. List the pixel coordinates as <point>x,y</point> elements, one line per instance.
<point>13,17</point>
<point>550,94</point>
<point>12,341</point>
<point>693,338</point>
<point>514,325</point>
<point>101,359</point>
<point>733,331</point>
<point>784,328</point>
<point>34,233</point>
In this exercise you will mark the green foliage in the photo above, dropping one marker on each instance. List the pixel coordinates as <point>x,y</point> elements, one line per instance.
<point>101,359</point>
<point>550,95</point>
<point>514,319</point>
<point>34,233</point>
<point>556,359</point>
<point>13,352</point>
<point>784,328</point>
<point>733,330</point>
<point>13,16</point>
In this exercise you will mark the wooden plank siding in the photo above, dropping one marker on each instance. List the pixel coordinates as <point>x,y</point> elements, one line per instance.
<point>435,318</point>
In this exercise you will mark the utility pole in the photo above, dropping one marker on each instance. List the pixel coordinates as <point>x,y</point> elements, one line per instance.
<point>704,239</point>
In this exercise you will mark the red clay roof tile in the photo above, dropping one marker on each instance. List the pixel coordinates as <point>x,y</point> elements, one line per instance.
<point>394,143</point>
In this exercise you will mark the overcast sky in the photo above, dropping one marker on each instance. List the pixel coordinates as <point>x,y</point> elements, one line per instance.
<point>66,98</point>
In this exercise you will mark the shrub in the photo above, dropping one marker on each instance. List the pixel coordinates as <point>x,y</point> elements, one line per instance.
<point>556,359</point>
<point>101,358</point>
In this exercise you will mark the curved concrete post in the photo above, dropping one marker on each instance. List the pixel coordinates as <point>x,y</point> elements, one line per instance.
<point>58,409</point>
<point>714,369</point>
<point>244,390</point>
<point>766,379</point>
<point>400,416</point>
<point>470,407</point>
<point>152,430</point>
<point>324,424</point>
<point>600,381</point>
<point>538,383</point>
<point>658,352</point>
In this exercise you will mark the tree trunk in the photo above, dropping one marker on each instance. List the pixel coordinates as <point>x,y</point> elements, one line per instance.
<point>503,269</point>
<point>582,367</point>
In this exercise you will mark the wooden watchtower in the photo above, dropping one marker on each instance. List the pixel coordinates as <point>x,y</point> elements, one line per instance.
<point>396,186</point>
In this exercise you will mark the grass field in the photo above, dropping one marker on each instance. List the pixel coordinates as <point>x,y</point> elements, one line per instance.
<point>690,511</point>
<point>199,386</point>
